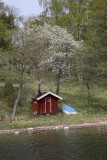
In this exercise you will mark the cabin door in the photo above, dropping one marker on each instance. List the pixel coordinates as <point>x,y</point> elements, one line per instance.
<point>48,105</point>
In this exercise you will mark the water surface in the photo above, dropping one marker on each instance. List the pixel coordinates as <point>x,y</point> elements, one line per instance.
<point>71,144</point>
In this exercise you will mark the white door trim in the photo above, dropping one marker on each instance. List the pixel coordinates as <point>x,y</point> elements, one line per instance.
<point>49,101</point>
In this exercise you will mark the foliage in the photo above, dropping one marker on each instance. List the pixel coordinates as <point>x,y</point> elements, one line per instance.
<point>8,89</point>
<point>68,14</point>
<point>61,48</point>
<point>82,21</point>
<point>9,93</point>
<point>42,50</point>
<point>25,58</point>
<point>7,23</point>
<point>97,32</point>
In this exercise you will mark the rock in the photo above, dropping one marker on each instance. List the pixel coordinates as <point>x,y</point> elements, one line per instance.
<point>16,133</point>
<point>30,129</point>
<point>66,128</point>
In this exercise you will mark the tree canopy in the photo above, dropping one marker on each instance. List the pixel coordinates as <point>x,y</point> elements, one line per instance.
<point>7,23</point>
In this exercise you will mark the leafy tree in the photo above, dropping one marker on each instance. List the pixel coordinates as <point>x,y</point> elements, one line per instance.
<point>86,69</point>
<point>18,61</point>
<point>38,45</point>
<point>96,35</point>
<point>92,60</point>
<point>7,23</point>
<point>86,20</point>
<point>25,57</point>
<point>60,49</point>
<point>68,14</point>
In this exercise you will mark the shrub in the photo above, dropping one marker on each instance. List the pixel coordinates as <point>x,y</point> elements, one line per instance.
<point>8,89</point>
<point>9,93</point>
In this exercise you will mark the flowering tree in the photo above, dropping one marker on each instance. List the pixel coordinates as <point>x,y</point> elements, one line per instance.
<point>61,47</point>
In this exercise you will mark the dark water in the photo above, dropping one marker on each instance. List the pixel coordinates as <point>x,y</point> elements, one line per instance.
<point>72,144</point>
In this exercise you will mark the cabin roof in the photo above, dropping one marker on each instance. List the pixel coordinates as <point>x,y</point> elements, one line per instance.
<point>45,94</point>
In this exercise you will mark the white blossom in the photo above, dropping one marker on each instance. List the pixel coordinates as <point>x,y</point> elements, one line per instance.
<point>60,48</point>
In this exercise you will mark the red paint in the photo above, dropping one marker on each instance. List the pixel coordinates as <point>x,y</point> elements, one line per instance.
<point>46,103</point>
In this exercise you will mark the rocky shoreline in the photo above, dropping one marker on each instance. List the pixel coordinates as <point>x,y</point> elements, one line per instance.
<point>65,127</point>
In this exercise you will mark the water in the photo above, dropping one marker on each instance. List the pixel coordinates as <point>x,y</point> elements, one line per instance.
<point>71,144</point>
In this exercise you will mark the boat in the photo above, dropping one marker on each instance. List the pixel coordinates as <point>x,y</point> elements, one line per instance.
<point>68,109</point>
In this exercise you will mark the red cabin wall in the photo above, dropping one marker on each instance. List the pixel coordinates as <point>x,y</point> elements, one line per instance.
<point>54,103</point>
<point>41,104</point>
<point>35,107</point>
<point>41,107</point>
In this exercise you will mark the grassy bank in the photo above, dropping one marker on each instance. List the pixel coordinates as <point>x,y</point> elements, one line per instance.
<point>50,120</point>
<point>72,94</point>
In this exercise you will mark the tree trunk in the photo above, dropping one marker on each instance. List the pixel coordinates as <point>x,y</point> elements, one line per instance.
<point>89,96</point>
<point>17,101</point>
<point>39,85</point>
<point>57,86</point>
<point>58,83</point>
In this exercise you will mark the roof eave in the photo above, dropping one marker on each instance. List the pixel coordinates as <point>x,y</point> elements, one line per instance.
<point>47,94</point>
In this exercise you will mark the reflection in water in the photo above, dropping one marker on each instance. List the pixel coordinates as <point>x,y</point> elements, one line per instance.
<point>71,144</point>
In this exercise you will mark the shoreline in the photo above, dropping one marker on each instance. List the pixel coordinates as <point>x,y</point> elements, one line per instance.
<point>57,127</point>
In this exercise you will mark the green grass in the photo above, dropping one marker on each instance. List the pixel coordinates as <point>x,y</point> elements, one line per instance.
<point>38,121</point>
<point>72,94</point>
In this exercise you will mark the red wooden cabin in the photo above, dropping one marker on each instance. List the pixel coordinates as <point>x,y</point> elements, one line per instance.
<point>45,103</point>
